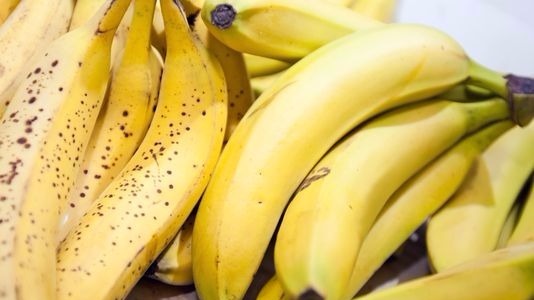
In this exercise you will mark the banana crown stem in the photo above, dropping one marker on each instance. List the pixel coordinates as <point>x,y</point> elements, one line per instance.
<point>223,15</point>
<point>517,90</point>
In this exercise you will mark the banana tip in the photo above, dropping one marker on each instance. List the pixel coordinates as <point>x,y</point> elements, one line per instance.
<point>223,15</point>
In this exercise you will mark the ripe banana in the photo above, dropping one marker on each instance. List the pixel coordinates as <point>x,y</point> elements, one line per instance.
<point>382,10</point>
<point>6,7</point>
<point>173,266</point>
<point>524,229</point>
<point>262,66</point>
<point>470,223</point>
<point>138,214</point>
<point>502,274</point>
<point>262,83</point>
<point>415,200</point>
<point>335,206</point>
<point>158,30</point>
<point>508,225</point>
<point>43,135</point>
<point>272,290</point>
<point>85,9</point>
<point>279,28</point>
<point>124,119</point>
<point>238,87</point>
<point>290,126</point>
<point>28,30</point>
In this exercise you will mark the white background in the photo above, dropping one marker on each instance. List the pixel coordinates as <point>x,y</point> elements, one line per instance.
<point>496,33</point>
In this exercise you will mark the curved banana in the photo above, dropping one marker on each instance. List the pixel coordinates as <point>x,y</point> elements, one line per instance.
<point>173,266</point>
<point>6,8</point>
<point>85,9</point>
<point>508,225</point>
<point>158,30</point>
<point>262,66</point>
<point>291,125</point>
<point>524,229</point>
<point>382,10</point>
<point>43,135</point>
<point>280,28</point>
<point>332,211</point>
<point>122,122</point>
<point>238,87</point>
<point>502,274</point>
<point>415,200</point>
<point>272,290</point>
<point>471,222</point>
<point>263,83</point>
<point>138,214</point>
<point>30,28</point>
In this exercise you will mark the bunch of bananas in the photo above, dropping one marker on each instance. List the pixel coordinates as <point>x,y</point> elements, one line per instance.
<point>180,140</point>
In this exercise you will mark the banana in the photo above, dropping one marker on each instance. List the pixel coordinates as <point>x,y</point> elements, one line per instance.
<point>262,83</point>
<point>382,10</point>
<point>502,274</point>
<point>336,204</point>
<point>158,30</point>
<point>6,7</point>
<point>508,225</point>
<point>238,87</point>
<point>141,210</point>
<point>272,290</point>
<point>291,125</point>
<point>523,231</point>
<point>85,9</point>
<point>470,223</point>
<point>173,266</point>
<point>262,66</point>
<point>32,25</point>
<point>122,122</point>
<point>43,134</point>
<point>280,29</point>
<point>415,200</point>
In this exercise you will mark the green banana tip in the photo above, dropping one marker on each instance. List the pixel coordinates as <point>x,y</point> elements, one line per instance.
<point>223,15</point>
<point>520,98</point>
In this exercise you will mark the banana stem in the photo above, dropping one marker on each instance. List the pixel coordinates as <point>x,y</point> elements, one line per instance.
<point>516,90</point>
<point>485,78</point>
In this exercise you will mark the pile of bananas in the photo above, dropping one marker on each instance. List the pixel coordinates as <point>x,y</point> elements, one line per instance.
<point>180,140</point>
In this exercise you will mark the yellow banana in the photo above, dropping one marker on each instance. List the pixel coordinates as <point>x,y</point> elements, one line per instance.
<point>158,30</point>
<point>32,25</point>
<point>238,87</point>
<point>123,121</point>
<point>272,290</point>
<point>138,214</point>
<point>382,10</point>
<point>291,125</point>
<point>85,9</point>
<point>43,135</point>
<point>524,229</point>
<point>502,274</point>
<point>279,28</point>
<point>508,225</point>
<point>332,211</point>
<point>6,7</point>
<point>415,200</point>
<point>173,266</point>
<point>262,66</point>
<point>262,83</point>
<point>470,223</point>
